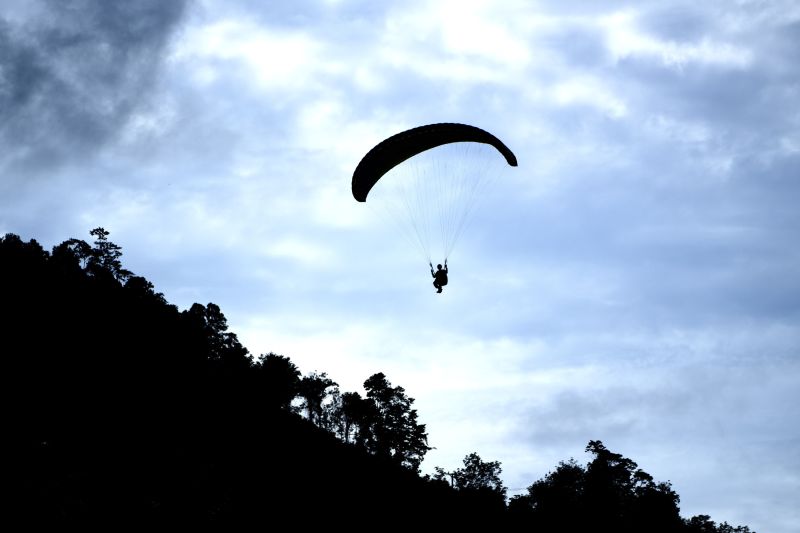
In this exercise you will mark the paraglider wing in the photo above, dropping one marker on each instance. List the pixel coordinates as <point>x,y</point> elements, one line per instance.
<point>402,146</point>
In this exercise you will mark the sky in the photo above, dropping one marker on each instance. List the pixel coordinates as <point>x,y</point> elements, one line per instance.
<point>633,280</point>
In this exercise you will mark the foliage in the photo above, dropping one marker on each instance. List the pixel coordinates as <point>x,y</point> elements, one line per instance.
<point>313,390</point>
<point>125,410</point>
<point>392,424</point>
<point>479,481</point>
<point>610,494</point>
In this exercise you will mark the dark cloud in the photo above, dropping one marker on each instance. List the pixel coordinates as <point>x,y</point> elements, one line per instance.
<point>741,86</point>
<point>73,75</point>
<point>579,46</point>
<point>677,23</point>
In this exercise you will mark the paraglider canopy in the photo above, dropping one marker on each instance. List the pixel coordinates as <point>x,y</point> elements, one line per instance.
<point>402,146</point>
<point>429,179</point>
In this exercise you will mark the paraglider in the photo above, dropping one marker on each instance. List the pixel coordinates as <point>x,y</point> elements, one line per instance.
<point>440,276</point>
<point>429,179</point>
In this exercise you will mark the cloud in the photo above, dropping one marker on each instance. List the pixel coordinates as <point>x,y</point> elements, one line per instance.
<point>71,75</point>
<point>625,39</point>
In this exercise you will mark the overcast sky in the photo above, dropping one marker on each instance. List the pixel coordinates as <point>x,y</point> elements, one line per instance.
<point>634,280</point>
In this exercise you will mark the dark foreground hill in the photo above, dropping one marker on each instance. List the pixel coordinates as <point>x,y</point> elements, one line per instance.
<point>124,411</point>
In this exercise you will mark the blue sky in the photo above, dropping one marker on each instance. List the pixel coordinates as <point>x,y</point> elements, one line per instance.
<point>634,280</point>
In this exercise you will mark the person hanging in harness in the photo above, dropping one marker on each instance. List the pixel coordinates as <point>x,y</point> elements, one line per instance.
<point>440,276</point>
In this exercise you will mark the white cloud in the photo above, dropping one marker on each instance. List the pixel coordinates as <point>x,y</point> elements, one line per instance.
<point>307,253</point>
<point>625,40</point>
<point>590,92</point>
<point>465,42</point>
<point>276,59</point>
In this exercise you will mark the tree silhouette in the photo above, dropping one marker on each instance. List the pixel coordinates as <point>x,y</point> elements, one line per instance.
<point>104,258</point>
<point>313,389</point>
<point>479,475</point>
<point>279,379</point>
<point>356,417</point>
<point>611,494</point>
<point>556,502</point>
<point>703,524</point>
<point>332,417</point>
<point>395,430</point>
<point>221,347</point>
<point>479,483</point>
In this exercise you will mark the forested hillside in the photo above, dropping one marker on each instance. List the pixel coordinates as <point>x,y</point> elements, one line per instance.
<point>124,410</point>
